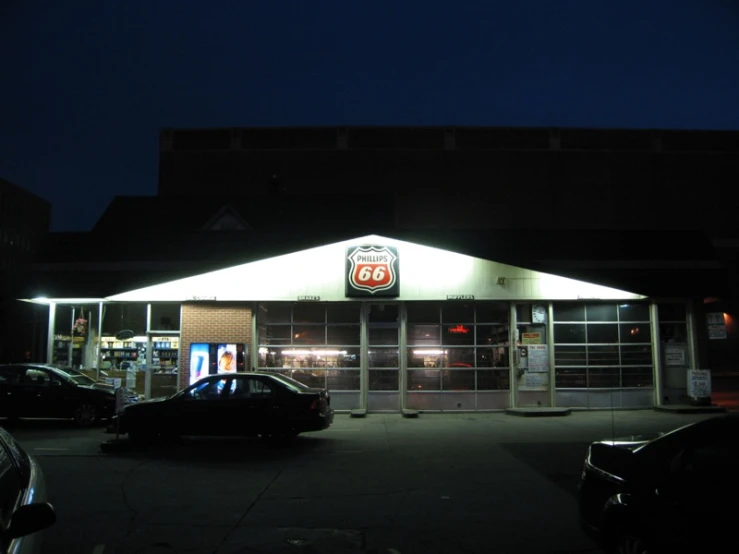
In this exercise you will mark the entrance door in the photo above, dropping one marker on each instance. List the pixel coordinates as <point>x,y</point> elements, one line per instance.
<point>531,358</point>
<point>381,358</point>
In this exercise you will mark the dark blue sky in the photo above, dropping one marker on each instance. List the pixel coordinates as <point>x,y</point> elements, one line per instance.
<point>86,85</point>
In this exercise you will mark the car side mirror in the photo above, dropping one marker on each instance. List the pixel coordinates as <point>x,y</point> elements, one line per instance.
<point>31,518</point>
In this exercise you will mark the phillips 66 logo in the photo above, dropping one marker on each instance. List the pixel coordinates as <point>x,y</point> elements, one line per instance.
<point>372,271</point>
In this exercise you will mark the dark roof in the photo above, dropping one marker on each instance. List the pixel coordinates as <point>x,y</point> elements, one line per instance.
<point>675,264</point>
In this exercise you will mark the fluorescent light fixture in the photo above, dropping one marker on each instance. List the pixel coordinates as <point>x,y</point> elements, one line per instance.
<point>314,352</point>
<point>429,352</point>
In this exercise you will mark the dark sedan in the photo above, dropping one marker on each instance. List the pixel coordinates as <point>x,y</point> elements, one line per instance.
<point>230,404</point>
<point>47,391</point>
<point>675,492</point>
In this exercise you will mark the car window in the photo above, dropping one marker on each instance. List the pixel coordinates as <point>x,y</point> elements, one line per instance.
<point>717,459</point>
<point>36,377</point>
<point>18,455</point>
<point>208,390</point>
<point>8,374</point>
<point>11,489</point>
<point>259,389</point>
<point>239,388</point>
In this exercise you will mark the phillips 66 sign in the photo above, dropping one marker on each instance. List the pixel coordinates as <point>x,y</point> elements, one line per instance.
<point>372,271</point>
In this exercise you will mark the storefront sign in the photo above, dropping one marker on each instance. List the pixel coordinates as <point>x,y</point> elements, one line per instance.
<point>372,271</point>
<point>716,325</point>
<point>538,358</point>
<point>699,383</point>
<point>459,330</point>
<point>460,296</point>
<point>309,298</point>
<point>200,298</point>
<point>675,355</point>
<point>530,338</point>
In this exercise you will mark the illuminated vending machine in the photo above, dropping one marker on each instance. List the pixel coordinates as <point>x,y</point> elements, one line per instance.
<point>209,358</point>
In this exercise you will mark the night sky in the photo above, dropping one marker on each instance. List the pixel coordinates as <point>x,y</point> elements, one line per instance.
<point>87,85</point>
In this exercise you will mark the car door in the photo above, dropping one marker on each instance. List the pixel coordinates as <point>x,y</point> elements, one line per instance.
<point>240,418</point>
<point>34,396</point>
<point>203,409</point>
<point>265,408</point>
<point>11,491</point>
<point>9,376</point>
<point>703,485</point>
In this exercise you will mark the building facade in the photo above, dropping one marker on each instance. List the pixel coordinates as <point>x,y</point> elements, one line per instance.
<point>388,325</point>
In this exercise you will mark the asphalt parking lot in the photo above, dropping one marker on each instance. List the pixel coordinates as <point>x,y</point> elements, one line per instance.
<point>451,483</point>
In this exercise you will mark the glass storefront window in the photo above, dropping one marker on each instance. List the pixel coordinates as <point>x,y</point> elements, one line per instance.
<point>276,334</point>
<point>309,334</point>
<point>384,313</point>
<point>613,349</point>
<point>309,312</point>
<point>383,336</point>
<point>343,334</point>
<point>383,357</point>
<point>343,312</point>
<point>636,377</point>
<point>275,312</point>
<point>458,380</point>
<point>119,317</point>
<point>492,379</point>
<point>492,334</point>
<point>460,357</point>
<point>315,379</point>
<point>343,379</point>
<point>601,377</point>
<point>424,379</point>
<point>603,355</point>
<point>383,380</point>
<point>454,313</point>
<point>291,357</point>
<point>636,332</point>
<point>569,355</point>
<point>426,357</point>
<point>458,334</point>
<point>424,335</point>
<point>633,312</point>
<point>602,333</point>
<point>569,333</point>
<point>495,356</point>
<point>601,312</point>
<point>492,312</point>
<point>636,354</point>
<point>567,311</point>
<point>423,312</point>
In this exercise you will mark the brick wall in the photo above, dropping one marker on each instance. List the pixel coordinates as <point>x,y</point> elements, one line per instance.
<point>229,323</point>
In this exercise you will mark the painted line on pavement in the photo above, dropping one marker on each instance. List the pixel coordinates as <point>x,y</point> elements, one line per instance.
<point>99,549</point>
<point>52,449</point>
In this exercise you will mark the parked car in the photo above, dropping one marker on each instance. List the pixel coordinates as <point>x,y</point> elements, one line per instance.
<point>45,391</point>
<point>24,510</point>
<point>674,492</point>
<point>230,404</point>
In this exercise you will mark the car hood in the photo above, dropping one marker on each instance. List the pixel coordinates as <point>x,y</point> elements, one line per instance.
<point>631,442</point>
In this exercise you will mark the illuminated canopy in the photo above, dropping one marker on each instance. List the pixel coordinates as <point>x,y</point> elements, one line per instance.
<point>426,273</point>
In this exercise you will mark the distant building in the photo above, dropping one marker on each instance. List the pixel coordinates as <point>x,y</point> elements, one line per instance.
<point>647,214</point>
<point>24,226</point>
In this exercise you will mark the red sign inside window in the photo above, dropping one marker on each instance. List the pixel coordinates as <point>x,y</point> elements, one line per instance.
<point>459,330</point>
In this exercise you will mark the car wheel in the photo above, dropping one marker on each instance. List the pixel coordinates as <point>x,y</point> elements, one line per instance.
<point>85,415</point>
